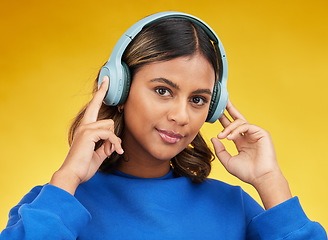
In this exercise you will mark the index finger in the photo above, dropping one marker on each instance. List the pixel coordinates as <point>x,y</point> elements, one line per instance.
<point>233,111</point>
<point>91,113</point>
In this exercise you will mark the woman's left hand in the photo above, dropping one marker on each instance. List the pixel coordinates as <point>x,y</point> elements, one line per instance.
<point>256,161</point>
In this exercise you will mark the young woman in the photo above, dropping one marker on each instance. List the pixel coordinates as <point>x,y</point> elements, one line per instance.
<point>139,170</point>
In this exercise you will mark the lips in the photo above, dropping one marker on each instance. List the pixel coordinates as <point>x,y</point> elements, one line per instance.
<point>169,136</point>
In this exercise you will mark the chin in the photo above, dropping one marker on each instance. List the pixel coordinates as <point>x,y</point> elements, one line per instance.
<point>166,154</point>
<point>163,156</point>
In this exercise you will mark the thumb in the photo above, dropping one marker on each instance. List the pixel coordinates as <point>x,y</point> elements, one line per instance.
<point>221,152</point>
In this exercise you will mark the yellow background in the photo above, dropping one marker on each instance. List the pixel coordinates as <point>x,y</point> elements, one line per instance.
<point>277,55</point>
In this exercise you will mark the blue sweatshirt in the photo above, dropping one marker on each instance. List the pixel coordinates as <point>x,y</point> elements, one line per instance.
<point>119,206</point>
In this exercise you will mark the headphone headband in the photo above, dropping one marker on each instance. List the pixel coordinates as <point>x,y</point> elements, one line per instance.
<point>114,68</point>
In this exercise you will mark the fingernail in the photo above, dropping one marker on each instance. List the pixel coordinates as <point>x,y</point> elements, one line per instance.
<point>105,79</point>
<point>229,136</point>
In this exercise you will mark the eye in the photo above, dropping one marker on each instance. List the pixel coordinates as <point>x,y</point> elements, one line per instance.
<point>163,91</point>
<point>199,101</point>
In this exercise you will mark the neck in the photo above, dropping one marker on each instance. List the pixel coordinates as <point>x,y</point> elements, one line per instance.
<point>144,169</point>
<point>139,163</point>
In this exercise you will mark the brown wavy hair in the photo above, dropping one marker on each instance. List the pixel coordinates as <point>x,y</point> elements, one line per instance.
<point>162,41</point>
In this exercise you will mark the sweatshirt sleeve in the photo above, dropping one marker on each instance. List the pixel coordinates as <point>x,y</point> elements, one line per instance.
<point>287,221</point>
<point>46,213</point>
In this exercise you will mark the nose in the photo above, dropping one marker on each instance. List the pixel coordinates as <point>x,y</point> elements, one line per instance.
<point>179,113</point>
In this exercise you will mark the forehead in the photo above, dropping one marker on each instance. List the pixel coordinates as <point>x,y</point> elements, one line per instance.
<point>192,71</point>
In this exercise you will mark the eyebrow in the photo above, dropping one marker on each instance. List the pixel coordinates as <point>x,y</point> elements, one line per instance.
<point>168,82</point>
<point>174,85</point>
<point>199,91</point>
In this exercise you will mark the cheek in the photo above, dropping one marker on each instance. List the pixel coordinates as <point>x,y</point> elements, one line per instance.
<point>195,129</point>
<point>198,120</point>
<point>140,111</point>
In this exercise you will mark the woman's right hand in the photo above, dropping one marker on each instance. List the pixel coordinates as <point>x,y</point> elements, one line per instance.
<point>82,161</point>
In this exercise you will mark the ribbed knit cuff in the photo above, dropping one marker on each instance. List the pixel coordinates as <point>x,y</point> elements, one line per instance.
<point>281,220</point>
<point>61,203</point>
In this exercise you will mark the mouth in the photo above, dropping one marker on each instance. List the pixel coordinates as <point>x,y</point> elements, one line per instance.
<point>169,136</point>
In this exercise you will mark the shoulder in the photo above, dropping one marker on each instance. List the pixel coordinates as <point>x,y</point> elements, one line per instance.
<point>214,185</point>
<point>231,195</point>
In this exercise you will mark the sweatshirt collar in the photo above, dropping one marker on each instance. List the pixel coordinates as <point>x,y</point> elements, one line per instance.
<point>169,175</point>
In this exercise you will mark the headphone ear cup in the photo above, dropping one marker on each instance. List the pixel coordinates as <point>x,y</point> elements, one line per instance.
<point>214,102</point>
<point>105,72</point>
<point>119,87</point>
<point>126,81</point>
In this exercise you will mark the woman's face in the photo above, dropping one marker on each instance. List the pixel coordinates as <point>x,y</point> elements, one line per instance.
<point>167,105</point>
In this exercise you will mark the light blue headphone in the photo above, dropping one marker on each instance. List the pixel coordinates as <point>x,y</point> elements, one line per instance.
<point>119,74</point>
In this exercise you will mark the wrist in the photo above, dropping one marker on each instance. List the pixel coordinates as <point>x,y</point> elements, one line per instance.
<point>273,189</point>
<point>65,181</point>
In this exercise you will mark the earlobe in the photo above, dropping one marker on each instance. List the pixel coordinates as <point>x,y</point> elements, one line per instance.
<point>120,108</point>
